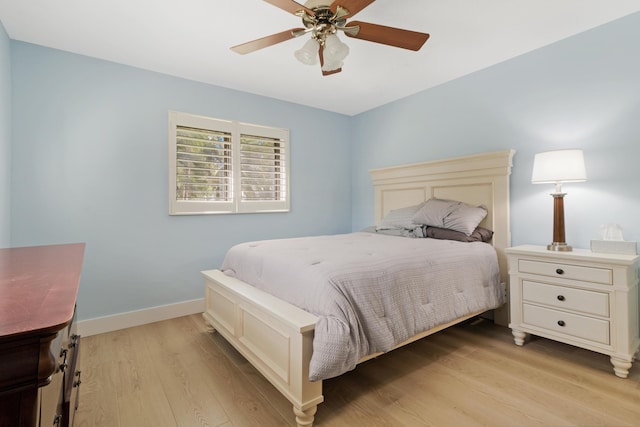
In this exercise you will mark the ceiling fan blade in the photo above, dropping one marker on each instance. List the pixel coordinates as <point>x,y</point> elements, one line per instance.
<point>291,6</point>
<point>391,36</point>
<point>258,44</point>
<point>353,6</point>
<point>326,73</point>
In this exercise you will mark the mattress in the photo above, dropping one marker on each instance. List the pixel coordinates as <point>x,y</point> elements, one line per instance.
<point>370,292</point>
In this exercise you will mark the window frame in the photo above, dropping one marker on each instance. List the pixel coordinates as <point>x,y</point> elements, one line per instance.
<point>236,204</point>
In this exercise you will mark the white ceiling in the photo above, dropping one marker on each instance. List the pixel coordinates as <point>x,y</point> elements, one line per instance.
<point>191,39</point>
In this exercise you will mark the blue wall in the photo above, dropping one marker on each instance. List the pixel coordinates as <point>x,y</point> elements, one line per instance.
<point>90,164</point>
<point>90,156</point>
<point>582,92</point>
<point>5,139</point>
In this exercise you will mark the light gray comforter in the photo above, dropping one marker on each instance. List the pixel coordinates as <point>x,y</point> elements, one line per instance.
<point>370,291</point>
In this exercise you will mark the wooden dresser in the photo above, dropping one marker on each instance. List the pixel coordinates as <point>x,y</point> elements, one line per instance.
<point>39,347</point>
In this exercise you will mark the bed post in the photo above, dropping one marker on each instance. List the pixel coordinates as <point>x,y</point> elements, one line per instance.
<point>305,418</point>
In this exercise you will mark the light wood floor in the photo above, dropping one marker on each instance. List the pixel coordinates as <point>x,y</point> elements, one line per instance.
<point>174,373</point>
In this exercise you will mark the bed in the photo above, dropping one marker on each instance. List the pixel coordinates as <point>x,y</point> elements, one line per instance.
<point>277,337</point>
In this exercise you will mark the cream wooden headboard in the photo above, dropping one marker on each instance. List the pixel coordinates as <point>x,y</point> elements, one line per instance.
<point>481,179</point>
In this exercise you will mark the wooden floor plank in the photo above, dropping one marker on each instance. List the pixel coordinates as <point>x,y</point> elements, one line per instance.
<point>98,398</point>
<point>98,401</point>
<point>558,378</point>
<point>189,396</point>
<point>242,402</point>
<point>442,387</point>
<point>175,373</point>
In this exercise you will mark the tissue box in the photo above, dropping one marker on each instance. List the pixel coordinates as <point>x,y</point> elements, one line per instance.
<point>614,247</point>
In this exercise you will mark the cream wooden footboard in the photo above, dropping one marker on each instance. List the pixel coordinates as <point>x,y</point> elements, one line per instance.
<point>273,335</point>
<point>277,337</point>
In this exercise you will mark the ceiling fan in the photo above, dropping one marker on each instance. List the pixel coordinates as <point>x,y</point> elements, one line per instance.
<point>323,19</point>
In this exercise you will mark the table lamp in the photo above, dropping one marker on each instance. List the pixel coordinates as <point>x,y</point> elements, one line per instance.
<point>556,167</point>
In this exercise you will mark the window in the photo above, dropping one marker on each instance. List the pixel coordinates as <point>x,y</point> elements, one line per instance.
<point>222,166</point>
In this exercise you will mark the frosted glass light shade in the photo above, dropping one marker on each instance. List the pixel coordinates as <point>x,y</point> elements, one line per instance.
<point>309,53</point>
<point>334,50</point>
<point>552,167</point>
<point>330,66</point>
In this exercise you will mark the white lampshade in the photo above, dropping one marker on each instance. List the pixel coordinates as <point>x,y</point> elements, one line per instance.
<point>553,167</point>
<point>309,53</point>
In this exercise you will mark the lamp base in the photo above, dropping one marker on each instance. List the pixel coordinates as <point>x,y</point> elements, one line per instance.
<point>559,247</point>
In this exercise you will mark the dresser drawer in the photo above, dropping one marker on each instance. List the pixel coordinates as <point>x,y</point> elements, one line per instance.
<point>567,323</point>
<point>588,302</point>
<point>567,271</point>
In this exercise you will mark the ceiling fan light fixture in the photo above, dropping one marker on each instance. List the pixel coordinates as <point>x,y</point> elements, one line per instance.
<point>334,50</point>
<point>308,54</point>
<point>332,66</point>
<point>323,18</point>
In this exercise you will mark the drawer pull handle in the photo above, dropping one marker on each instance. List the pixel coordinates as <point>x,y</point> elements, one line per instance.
<point>64,364</point>
<point>560,297</point>
<point>79,381</point>
<point>559,271</point>
<point>561,323</point>
<point>74,340</point>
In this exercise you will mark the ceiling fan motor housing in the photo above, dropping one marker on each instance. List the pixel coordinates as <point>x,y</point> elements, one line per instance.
<point>323,23</point>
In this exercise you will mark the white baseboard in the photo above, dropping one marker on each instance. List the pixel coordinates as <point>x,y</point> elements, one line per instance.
<point>115,322</point>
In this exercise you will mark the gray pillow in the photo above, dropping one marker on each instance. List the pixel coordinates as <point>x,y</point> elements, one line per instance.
<point>465,218</point>
<point>434,212</point>
<point>400,218</point>
<point>451,214</point>
<point>479,234</point>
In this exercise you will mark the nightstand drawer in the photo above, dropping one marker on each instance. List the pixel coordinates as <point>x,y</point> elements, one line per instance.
<point>567,271</point>
<point>566,323</point>
<point>589,302</point>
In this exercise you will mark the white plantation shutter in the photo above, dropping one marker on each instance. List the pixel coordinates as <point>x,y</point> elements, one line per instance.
<point>219,166</point>
<point>203,164</point>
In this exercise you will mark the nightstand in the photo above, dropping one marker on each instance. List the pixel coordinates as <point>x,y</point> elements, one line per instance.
<point>586,299</point>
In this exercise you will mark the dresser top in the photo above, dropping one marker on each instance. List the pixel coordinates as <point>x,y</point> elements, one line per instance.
<point>38,288</point>
<point>575,254</point>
